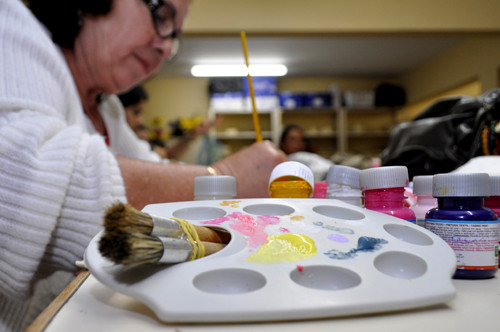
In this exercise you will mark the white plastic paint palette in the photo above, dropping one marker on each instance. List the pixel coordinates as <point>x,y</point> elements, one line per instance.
<point>365,262</point>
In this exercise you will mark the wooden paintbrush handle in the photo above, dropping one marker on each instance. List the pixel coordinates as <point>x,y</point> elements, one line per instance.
<point>210,235</point>
<point>211,247</point>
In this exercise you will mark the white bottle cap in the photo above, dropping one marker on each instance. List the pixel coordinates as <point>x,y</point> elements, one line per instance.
<point>494,185</point>
<point>343,175</point>
<point>461,185</point>
<point>214,187</point>
<point>383,177</point>
<point>422,185</point>
<point>293,168</point>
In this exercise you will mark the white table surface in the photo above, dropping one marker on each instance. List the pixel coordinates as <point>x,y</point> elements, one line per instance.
<point>95,307</point>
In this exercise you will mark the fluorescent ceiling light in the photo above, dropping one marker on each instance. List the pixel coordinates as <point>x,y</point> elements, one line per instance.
<point>238,70</point>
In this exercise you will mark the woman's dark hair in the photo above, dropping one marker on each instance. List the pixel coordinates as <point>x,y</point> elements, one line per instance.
<point>285,132</point>
<point>63,18</point>
<point>133,96</point>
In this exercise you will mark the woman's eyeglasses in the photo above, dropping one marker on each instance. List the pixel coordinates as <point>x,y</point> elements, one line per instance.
<point>163,14</point>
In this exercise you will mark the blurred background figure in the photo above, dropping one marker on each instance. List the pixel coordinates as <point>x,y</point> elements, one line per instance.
<point>292,139</point>
<point>297,148</point>
<point>134,101</point>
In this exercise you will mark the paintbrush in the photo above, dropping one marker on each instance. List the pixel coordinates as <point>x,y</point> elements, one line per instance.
<point>255,115</point>
<point>134,249</point>
<point>125,218</point>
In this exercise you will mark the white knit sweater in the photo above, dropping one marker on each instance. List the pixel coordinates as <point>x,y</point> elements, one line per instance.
<point>56,179</point>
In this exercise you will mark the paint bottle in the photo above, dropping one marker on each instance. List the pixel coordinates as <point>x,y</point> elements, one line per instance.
<point>465,224</point>
<point>291,179</point>
<point>214,187</point>
<point>383,190</point>
<point>320,188</point>
<point>493,202</point>
<point>422,189</point>
<point>343,184</point>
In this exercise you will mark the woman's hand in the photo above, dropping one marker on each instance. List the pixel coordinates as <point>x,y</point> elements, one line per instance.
<point>252,167</point>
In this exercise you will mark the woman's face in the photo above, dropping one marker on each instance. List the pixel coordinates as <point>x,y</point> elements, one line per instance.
<point>116,51</point>
<point>293,141</point>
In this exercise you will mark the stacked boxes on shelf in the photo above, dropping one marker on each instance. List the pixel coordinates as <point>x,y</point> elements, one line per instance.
<point>233,94</point>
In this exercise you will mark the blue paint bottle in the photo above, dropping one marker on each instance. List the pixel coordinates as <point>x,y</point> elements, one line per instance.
<point>465,224</point>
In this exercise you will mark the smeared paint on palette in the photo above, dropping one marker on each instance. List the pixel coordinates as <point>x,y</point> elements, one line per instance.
<point>336,258</point>
<point>290,247</point>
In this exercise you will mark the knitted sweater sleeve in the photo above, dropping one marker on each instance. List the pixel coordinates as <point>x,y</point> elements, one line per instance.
<point>56,180</point>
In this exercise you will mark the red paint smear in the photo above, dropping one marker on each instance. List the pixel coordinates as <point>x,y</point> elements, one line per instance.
<point>300,268</point>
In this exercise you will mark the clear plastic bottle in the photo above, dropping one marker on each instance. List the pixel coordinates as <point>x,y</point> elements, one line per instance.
<point>214,187</point>
<point>343,184</point>
<point>465,224</point>
<point>493,202</point>
<point>291,179</point>
<point>422,189</point>
<point>383,190</point>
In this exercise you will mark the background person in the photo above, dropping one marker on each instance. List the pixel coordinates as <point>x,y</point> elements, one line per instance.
<point>134,101</point>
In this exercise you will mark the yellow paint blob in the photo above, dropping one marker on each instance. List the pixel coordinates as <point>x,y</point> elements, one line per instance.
<point>297,218</point>
<point>230,203</point>
<point>284,247</point>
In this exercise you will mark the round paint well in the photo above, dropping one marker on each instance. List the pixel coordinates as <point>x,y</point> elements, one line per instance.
<point>269,209</point>
<point>338,212</point>
<point>229,281</point>
<point>199,213</point>
<point>408,234</point>
<point>401,265</point>
<point>325,277</point>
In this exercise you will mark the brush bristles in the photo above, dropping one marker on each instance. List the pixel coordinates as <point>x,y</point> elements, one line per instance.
<point>125,218</point>
<point>130,249</point>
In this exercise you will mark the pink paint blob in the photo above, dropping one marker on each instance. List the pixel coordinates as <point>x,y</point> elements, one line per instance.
<point>252,228</point>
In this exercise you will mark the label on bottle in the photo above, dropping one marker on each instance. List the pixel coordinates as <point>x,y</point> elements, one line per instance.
<point>475,242</point>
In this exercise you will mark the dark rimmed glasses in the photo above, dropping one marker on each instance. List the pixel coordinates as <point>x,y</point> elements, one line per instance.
<point>163,14</point>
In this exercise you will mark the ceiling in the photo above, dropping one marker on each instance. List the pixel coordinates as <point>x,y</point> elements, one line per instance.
<point>351,56</point>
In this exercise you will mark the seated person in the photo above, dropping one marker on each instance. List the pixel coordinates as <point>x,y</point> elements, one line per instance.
<point>65,153</point>
<point>134,101</point>
<point>293,143</point>
<point>292,139</point>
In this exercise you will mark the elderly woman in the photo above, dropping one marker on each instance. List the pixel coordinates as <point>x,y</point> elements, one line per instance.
<point>59,64</point>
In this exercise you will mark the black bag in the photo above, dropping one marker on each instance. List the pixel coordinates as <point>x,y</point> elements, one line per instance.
<point>446,135</point>
<point>389,95</point>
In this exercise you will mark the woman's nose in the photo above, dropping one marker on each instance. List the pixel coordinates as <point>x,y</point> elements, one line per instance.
<point>164,46</point>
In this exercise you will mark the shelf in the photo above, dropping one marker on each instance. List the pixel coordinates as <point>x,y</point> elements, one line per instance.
<point>377,110</point>
<point>320,135</point>
<point>337,119</point>
<point>368,135</point>
<point>241,135</point>
<point>242,111</point>
<point>312,110</point>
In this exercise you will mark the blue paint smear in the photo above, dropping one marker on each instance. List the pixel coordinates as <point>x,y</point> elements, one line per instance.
<point>365,244</point>
<point>333,228</point>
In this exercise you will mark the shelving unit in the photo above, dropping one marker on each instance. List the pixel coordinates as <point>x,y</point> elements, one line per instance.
<point>365,130</point>
<point>331,130</point>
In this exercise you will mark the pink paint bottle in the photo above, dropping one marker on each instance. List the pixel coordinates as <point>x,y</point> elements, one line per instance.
<point>493,202</point>
<point>383,190</point>
<point>422,189</point>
